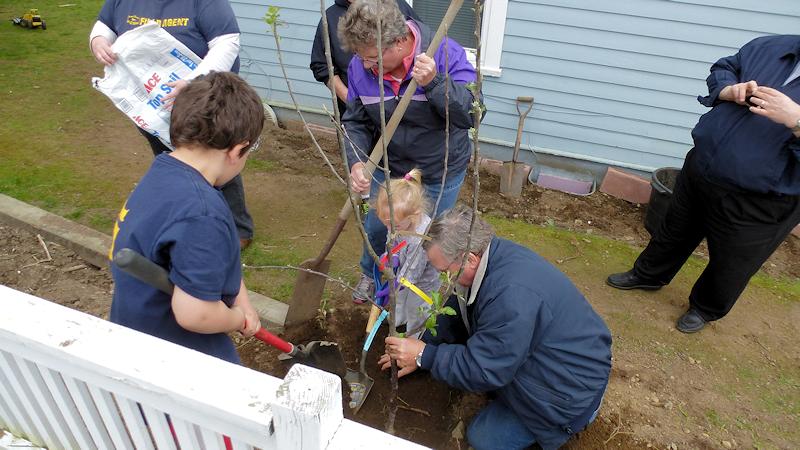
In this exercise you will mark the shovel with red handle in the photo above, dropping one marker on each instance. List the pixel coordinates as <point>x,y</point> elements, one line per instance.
<point>323,355</point>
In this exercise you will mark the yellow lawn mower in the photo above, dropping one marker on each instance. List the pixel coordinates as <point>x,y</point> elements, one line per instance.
<point>30,19</point>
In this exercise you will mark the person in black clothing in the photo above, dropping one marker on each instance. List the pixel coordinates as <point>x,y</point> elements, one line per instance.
<point>740,184</point>
<point>339,56</point>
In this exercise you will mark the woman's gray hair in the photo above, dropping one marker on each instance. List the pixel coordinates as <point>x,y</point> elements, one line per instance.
<point>358,27</point>
<point>451,232</point>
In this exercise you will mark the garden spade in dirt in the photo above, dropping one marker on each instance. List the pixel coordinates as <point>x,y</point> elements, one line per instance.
<point>515,173</point>
<point>322,355</point>
<point>308,286</point>
<point>360,379</point>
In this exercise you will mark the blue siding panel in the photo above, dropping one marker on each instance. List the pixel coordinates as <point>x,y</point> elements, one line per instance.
<point>259,56</point>
<point>629,43</point>
<point>694,13</point>
<point>674,64</point>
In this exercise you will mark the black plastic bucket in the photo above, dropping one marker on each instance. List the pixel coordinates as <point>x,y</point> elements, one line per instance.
<point>663,183</point>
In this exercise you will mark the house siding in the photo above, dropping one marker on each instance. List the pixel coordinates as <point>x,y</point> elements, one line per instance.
<point>259,57</point>
<point>614,82</point>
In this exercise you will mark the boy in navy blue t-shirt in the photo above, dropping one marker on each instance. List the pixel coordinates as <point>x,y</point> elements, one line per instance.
<point>177,218</point>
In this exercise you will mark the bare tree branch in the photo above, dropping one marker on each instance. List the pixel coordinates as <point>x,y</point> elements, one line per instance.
<point>274,24</point>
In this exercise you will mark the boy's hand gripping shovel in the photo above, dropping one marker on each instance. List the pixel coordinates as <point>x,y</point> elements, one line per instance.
<point>322,355</point>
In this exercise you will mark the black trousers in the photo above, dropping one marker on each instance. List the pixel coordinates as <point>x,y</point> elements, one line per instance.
<point>233,191</point>
<point>742,230</point>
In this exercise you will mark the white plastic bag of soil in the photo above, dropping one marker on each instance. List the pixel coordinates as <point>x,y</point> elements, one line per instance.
<point>147,59</point>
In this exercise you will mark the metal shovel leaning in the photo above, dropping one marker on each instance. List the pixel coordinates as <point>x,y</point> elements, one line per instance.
<point>323,355</point>
<point>514,173</point>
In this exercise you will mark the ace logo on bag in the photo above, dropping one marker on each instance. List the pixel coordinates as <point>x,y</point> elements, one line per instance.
<point>147,59</point>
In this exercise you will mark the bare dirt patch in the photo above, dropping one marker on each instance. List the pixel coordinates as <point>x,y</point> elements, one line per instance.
<point>65,279</point>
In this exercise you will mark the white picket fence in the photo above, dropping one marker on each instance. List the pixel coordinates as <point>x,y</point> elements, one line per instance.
<point>72,381</point>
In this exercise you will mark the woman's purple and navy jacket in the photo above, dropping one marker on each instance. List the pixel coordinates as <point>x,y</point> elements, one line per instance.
<point>419,140</point>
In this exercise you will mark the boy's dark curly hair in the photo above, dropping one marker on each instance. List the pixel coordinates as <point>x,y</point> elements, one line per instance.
<point>217,110</point>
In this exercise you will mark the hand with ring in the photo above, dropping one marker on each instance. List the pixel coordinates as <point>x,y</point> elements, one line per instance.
<point>776,106</point>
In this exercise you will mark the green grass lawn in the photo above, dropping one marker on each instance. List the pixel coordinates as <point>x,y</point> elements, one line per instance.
<point>49,114</point>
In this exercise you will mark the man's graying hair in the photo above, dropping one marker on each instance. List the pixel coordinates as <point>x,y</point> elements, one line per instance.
<point>358,27</point>
<point>451,232</point>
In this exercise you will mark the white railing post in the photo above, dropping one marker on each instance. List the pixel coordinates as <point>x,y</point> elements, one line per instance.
<point>308,409</point>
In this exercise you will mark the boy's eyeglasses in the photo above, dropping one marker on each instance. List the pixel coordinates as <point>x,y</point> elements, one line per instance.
<point>254,147</point>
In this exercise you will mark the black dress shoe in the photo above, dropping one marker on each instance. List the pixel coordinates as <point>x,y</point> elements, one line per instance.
<point>629,280</point>
<point>690,322</point>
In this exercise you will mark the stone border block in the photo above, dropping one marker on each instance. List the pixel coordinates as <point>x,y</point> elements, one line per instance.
<point>626,186</point>
<point>492,166</point>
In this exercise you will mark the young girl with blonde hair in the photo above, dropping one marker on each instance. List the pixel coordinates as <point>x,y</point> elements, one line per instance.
<point>410,208</point>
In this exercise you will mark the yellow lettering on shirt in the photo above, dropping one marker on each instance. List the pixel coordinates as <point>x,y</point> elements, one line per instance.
<point>167,22</point>
<point>120,218</point>
<point>164,22</point>
<point>175,22</point>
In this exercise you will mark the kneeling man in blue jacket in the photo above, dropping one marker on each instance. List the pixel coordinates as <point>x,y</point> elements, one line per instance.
<point>523,333</point>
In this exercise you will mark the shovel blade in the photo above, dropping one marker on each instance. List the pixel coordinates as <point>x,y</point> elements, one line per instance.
<point>307,295</point>
<point>513,177</point>
<point>326,356</point>
<point>322,355</point>
<point>360,385</point>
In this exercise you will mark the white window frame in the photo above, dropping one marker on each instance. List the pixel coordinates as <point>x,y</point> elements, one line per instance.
<point>494,18</point>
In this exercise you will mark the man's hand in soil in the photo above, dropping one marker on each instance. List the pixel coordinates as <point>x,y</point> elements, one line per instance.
<point>404,351</point>
<point>359,181</point>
